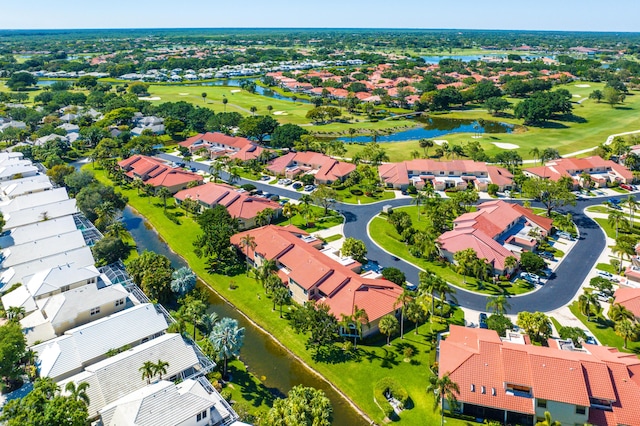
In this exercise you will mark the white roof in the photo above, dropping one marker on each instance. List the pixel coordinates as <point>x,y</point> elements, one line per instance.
<point>20,297</point>
<point>10,171</point>
<point>15,188</point>
<point>38,230</point>
<point>165,404</point>
<point>33,200</point>
<point>63,309</point>
<point>40,213</point>
<point>7,155</point>
<point>16,274</point>
<point>77,347</point>
<point>39,249</point>
<point>119,375</point>
<point>53,279</point>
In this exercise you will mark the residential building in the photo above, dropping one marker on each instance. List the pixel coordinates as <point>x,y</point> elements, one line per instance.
<point>24,186</point>
<point>33,232</point>
<point>56,314</point>
<point>325,169</point>
<point>629,298</point>
<point>151,123</point>
<point>158,173</point>
<point>190,403</point>
<point>515,382</point>
<point>314,273</point>
<point>600,171</point>
<point>17,170</point>
<point>219,145</point>
<point>444,174</point>
<point>20,125</point>
<point>495,231</point>
<point>245,208</point>
<point>28,201</point>
<point>87,344</point>
<point>119,375</point>
<point>39,213</point>
<point>42,248</point>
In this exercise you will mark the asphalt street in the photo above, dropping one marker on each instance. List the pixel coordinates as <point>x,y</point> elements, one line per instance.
<point>557,292</point>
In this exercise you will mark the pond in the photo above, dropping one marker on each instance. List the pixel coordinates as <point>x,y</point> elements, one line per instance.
<point>234,82</point>
<point>435,59</point>
<point>435,127</point>
<point>260,353</point>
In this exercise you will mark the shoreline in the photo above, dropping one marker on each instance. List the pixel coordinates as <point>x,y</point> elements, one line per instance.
<point>260,328</point>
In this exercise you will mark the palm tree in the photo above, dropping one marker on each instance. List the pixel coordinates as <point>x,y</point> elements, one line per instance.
<point>535,152</point>
<point>117,230</point>
<point>214,169</point>
<point>15,313</point>
<point>138,184</point>
<point>443,388</point>
<point>288,211</point>
<point>160,368</point>
<point>624,247</point>
<point>426,144</point>
<point>269,108</point>
<point>147,370</point>
<point>627,330</point>
<point>403,299</point>
<point>253,109</point>
<point>194,310</point>
<point>164,193</point>
<point>78,393</point>
<point>511,262</point>
<point>106,213</point>
<point>248,242</point>
<point>204,97</point>
<point>280,297</point>
<point>227,339</point>
<point>183,280</point>
<point>388,325</point>
<point>305,202</point>
<point>418,200</point>
<point>415,154</point>
<point>225,101</point>
<point>616,217</point>
<point>633,205</point>
<point>548,421</point>
<point>264,217</point>
<point>352,133</point>
<point>587,303</point>
<point>428,285</point>
<point>416,314</point>
<point>207,322</point>
<point>360,318</point>
<point>498,304</point>
<point>617,312</point>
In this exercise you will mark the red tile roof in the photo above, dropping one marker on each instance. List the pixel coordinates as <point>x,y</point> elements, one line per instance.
<point>239,205</point>
<point>328,169</point>
<point>573,167</point>
<point>629,298</point>
<point>156,172</point>
<point>342,288</point>
<point>232,146</point>
<point>476,358</point>
<point>398,173</point>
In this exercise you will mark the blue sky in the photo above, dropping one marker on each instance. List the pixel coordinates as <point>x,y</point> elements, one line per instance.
<point>586,15</point>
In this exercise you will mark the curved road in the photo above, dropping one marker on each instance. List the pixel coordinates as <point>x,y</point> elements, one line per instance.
<point>557,292</point>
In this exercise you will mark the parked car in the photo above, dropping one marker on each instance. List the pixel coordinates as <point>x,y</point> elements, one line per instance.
<point>603,297</point>
<point>590,339</point>
<point>605,274</point>
<point>265,178</point>
<point>482,320</point>
<point>309,188</point>
<point>547,255</point>
<point>627,187</point>
<point>287,182</point>
<point>297,185</point>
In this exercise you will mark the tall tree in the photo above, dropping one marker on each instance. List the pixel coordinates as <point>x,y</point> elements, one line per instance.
<point>498,304</point>
<point>388,325</point>
<point>304,406</point>
<point>627,330</point>
<point>183,281</point>
<point>403,299</point>
<point>444,389</point>
<point>147,370</point>
<point>548,421</point>
<point>227,340</point>
<point>247,242</point>
<point>164,193</point>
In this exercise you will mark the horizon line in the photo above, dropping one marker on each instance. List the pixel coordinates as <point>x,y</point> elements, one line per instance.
<point>319,28</point>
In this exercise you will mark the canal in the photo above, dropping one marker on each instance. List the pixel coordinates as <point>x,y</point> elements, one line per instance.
<point>264,358</point>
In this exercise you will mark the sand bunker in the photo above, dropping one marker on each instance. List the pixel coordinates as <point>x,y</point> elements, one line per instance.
<point>150,98</point>
<point>236,90</point>
<point>440,141</point>
<point>183,94</point>
<point>583,85</point>
<point>503,145</point>
<point>576,96</point>
<point>280,113</point>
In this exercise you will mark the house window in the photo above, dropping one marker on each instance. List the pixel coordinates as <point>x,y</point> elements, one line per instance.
<point>204,414</point>
<point>64,288</point>
<point>95,311</point>
<point>542,403</point>
<point>483,390</point>
<point>201,416</point>
<point>493,391</point>
<point>473,387</point>
<point>119,302</point>
<point>581,410</point>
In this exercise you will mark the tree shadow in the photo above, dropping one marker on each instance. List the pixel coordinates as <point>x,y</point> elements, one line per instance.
<point>572,118</point>
<point>550,125</point>
<point>623,108</point>
<point>333,354</point>
<point>251,392</point>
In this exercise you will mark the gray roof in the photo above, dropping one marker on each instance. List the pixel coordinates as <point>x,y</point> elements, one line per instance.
<point>17,187</point>
<point>32,200</point>
<point>53,279</point>
<point>165,404</point>
<point>17,274</point>
<point>20,297</point>
<point>119,375</point>
<point>40,213</point>
<point>9,171</point>
<point>38,230</point>
<point>68,353</point>
<point>42,248</point>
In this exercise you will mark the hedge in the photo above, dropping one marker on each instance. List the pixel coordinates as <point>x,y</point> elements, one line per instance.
<point>395,389</point>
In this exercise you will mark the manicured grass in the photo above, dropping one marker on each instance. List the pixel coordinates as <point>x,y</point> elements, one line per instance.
<point>332,238</point>
<point>347,197</point>
<point>611,231</point>
<point>385,235</point>
<point>599,209</point>
<point>600,121</point>
<point>607,268</point>
<point>603,329</point>
<point>355,376</point>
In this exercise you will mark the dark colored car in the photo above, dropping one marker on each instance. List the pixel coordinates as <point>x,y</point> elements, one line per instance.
<point>482,320</point>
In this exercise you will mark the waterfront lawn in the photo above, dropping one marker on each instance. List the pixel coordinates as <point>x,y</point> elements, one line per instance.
<point>385,235</point>
<point>354,376</point>
<point>603,329</point>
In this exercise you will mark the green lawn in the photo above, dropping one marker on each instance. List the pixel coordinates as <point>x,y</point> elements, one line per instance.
<point>606,267</point>
<point>355,376</point>
<point>385,235</point>
<point>611,231</point>
<point>602,329</point>
<point>599,121</point>
<point>347,197</point>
